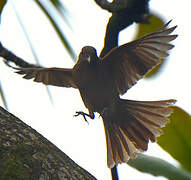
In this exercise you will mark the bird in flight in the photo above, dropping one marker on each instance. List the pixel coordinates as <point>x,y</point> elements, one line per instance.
<point>129,125</point>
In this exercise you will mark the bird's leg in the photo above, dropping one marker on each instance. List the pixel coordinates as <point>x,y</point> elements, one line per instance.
<point>90,115</point>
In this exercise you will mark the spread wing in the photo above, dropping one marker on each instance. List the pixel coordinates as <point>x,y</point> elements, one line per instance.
<point>50,76</point>
<point>130,62</point>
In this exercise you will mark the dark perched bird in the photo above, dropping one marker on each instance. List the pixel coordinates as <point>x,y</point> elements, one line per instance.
<point>129,125</point>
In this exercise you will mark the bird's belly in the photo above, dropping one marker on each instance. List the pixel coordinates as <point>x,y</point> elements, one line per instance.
<point>99,95</point>
<point>97,88</point>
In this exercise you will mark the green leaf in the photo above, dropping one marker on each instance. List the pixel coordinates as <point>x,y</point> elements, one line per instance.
<point>2,4</point>
<point>32,50</point>
<point>58,5</point>
<point>176,139</point>
<point>57,30</point>
<point>155,22</point>
<point>2,94</point>
<point>158,167</point>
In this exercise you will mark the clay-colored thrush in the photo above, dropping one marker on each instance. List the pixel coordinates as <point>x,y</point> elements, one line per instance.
<point>129,125</point>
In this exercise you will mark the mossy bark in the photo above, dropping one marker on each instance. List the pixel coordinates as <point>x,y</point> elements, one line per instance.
<point>27,155</point>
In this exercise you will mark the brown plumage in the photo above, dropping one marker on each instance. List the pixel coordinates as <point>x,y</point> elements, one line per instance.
<point>129,125</point>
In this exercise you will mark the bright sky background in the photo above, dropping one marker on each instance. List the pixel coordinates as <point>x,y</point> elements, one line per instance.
<point>85,143</point>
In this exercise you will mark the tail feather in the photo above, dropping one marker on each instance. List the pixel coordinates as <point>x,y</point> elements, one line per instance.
<point>130,125</point>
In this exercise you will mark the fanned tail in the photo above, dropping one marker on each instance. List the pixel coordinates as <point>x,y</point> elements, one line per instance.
<point>130,125</point>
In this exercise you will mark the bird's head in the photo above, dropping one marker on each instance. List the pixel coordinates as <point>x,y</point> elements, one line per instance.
<point>89,54</point>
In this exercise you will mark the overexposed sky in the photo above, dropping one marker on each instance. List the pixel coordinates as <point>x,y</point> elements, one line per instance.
<point>85,143</point>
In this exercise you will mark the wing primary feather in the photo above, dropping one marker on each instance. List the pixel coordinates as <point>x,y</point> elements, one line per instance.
<point>157,45</point>
<point>49,76</point>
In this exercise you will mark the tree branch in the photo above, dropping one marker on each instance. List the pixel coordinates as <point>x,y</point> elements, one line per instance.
<point>118,5</point>
<point>25,154</point>
<point>124,13</point>
<point>10,57</point>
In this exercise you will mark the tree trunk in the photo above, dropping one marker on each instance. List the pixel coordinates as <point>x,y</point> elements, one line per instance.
<point>27,155</point>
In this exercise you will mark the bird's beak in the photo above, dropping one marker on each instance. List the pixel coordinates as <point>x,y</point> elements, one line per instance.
<point>88,59</point>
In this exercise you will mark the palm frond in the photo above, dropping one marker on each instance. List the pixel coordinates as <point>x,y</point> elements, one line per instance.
<point>57,30</point>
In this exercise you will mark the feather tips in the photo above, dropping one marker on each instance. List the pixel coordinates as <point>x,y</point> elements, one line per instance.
<point>131,61</point>
<point>49,76</point>
<point>130,127</point>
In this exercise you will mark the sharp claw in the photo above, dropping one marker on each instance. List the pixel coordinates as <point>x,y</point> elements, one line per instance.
<point>77,114</point>
<point>85,119</point>
<point>81,113</point>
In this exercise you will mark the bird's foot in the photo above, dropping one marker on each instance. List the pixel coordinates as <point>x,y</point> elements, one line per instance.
<point>83,114</point>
